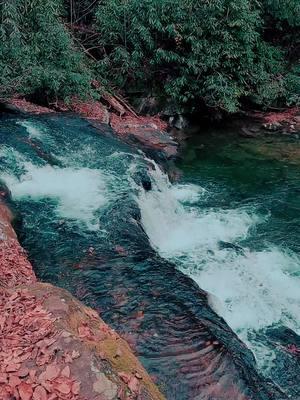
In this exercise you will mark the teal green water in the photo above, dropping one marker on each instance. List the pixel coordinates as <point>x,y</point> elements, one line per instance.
<point>232,224</point>
<point>262,173</point>
<point>238,238</point>
<point>141,257</point>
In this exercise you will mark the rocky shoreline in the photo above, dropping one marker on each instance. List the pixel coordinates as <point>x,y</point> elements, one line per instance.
<point>153,134</point>
<point>150,133</point>
<point>53,347</point>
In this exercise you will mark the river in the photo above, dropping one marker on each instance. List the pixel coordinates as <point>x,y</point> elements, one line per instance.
<point>101,219</point>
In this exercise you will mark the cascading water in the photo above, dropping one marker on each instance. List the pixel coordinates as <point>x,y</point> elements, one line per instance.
<point>252,290</point>
<point>93,223</point>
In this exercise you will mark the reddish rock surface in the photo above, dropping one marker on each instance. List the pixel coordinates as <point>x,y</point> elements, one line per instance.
<point>26,106</point>
<point>150,132</point>
<point>52,347</point>
<point>93,110</point>
<point>15,269</point>
<point>287,120</point>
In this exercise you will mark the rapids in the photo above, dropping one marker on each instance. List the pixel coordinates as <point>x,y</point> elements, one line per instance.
<point>142,254</point>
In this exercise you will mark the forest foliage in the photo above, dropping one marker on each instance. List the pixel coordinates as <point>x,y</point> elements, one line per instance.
<point>223,54</point>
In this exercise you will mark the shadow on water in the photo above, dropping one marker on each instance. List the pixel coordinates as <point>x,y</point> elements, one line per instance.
<point>81,225</point>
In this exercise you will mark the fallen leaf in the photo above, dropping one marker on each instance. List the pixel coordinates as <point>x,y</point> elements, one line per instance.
<point>39,393</point>
<point>52,372</point>
<point>14,381</point>
<point>76,387</point>
<point>23,372</point>
<point>25,391</point>
<point>125,377</point>
<point>134,385</point>
<point>63,387</point>
<point>66,372</point>
<point>13,367</point>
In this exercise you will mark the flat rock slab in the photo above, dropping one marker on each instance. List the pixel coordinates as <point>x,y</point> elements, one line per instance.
<point>53,347</point>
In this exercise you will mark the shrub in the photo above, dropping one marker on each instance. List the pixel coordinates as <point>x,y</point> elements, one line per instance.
<point>37,53</point>
<point>192,51</point>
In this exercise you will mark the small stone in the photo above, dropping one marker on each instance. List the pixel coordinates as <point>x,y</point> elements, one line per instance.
<point>65,334</point>
<point>75,354</point>
<point>119,353</point>
<point>139,376</point>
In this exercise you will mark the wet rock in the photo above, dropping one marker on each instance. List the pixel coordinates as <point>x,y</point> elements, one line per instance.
<point>272,126</point>
<point>22,105</point>
<point>15,269</point>
<point>105,387</point>
<point>178,121</point>
<point>51,345</point>
<point>227,245</point>
<point>148,131</point>
<point>49,349</point>
<point>154,139</point>
<point>147,185</point>
<point>248,133</point>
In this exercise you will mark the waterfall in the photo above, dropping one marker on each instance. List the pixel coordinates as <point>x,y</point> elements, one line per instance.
<point>251,289</point>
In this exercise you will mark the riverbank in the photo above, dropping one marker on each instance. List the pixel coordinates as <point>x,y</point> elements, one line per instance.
<point>54,347</point>
<point>150,133</point>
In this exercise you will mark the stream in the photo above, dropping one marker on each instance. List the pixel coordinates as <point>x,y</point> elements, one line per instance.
<point>201,277</point>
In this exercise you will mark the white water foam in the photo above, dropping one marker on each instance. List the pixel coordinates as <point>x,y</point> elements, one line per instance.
<point>79,192</point>
<point>34,129</point>
<point>251,290</point>
<point>179,230</point>
<point>12,157</point>
<point>189,194</point>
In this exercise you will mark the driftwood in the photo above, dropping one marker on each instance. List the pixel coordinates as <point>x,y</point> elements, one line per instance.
<point>117,103</point>
<point>126,105</point>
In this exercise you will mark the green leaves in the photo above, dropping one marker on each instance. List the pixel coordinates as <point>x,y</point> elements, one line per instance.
<point>41,50</point>
<point>222,52</point>
<point>193,50</point>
